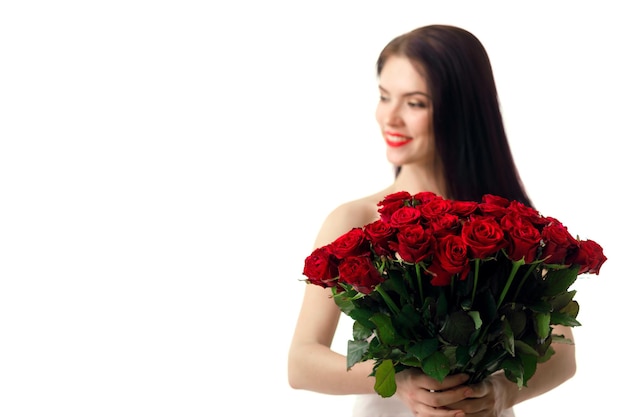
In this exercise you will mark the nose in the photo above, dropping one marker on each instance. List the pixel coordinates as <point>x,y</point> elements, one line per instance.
<point>393,116</point>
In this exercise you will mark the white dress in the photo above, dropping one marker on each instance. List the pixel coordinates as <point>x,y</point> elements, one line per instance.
<point>373,405</point>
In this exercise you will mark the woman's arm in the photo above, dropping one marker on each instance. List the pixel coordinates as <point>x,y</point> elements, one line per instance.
<point>312,365</point>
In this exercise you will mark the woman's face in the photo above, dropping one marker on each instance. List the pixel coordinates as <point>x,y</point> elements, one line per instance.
<point>404,113</point>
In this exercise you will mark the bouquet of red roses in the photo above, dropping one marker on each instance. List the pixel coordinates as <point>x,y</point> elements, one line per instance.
<point>451,286</point>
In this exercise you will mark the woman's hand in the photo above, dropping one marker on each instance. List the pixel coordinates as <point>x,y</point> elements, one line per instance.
<point>427,397</point>
<point>487,398</point>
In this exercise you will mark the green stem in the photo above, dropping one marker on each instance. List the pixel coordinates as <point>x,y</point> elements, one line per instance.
<point>523,281</point>
<point>392,306</point>
<point>452,286</point>
<point>418,272</point>
<point>409,278</point>
<point>476,267</point>
<point>516,266</point>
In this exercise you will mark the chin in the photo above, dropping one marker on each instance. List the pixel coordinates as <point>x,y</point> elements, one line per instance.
<point>395,160</point>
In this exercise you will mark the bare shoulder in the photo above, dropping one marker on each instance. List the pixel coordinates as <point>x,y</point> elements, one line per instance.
<point>355,213</point>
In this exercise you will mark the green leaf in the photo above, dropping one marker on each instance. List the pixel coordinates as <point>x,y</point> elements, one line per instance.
<point>514,371</point>
<point>517,320</point>
<point>486,303</point>
<point>356,352</point>
<point>429,305</point>
<point>541,307</point>
<point>450,353</point>
<point>475,315</point>
<point>559,280</point>
<point>376,350</point>
<point>571,309</point>
<point>425,348</point>
<point>360,332</point>
<point>487,361</point>
<point>362,316</point>
<point>344,303</point>
<point>529,364</point>
<point>524,349</point>
<point>399,283</point>
<point>442,305</point>
<point>411,361</point>
<point>436,366</point>
<point>547,355</point>
<point>408,317</point>
<point>508,340</point>
<point>458,327</point>
<point>542,325</point>
<point>476,362</point>
<point>564,319</point>
<point>384,328</point>
<point>562,300</point>
<point>347,292</point>
<point>541,346</point>
<point>462,356</point>
<point>385,384</point>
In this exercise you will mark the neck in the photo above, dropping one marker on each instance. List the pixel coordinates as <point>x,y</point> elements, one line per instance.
<point>415,179</point>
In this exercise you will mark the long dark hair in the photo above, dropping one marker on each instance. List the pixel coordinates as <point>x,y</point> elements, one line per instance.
<point>469,131</point>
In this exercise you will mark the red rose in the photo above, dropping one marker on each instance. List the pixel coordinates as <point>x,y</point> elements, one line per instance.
<point>414,243</point>
<point>321,268</point>
<point>360,272</point>
<point>497,200</point>
<point>558,243</point>
<point>435,208</point>
<point>391,203</point>
<point>380,233</point>
<point>528,213</point>
<point>445,224</point>
<point>522,236</point>
<point>395,197</point>
<point>405,216</point>
<point>589,256</point>
<point>493,205</point>
<point>352,243</point>
<point>450,258</point>
<point>463,208</point>
<point>424,197</point>
<point>483,236</point>
<point>523,210</point>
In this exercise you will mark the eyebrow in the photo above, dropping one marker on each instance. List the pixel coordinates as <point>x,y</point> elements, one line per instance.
<point>410,93</point>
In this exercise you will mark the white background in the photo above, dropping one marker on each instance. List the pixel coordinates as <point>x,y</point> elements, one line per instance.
<point>165,166</point>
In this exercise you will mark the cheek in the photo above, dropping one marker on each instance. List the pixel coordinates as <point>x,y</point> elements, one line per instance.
<point>420,123</point>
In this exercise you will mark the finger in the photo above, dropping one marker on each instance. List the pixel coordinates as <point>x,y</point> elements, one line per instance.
<point>478,390</point>
<point>446,398</point>
<point>448,382</point>
<point>423,410</point>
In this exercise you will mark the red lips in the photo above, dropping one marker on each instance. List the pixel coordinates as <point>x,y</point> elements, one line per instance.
<point>396,140</point>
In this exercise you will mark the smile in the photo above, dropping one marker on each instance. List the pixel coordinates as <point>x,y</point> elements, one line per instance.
<point>395,140</point>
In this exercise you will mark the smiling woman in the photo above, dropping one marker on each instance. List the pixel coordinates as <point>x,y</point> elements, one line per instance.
<point>439,116</point>
<point>446,137</point>
<point>166,167</point>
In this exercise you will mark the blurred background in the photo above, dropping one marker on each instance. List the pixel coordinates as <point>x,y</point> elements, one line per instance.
<point>165,167</point>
